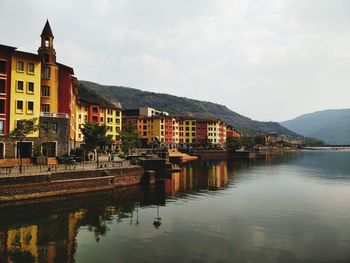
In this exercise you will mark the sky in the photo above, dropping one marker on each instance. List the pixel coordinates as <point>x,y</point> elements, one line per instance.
<point>265,59</point>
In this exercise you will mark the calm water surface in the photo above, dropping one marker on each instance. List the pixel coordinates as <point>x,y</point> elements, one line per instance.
<point>289,208</point>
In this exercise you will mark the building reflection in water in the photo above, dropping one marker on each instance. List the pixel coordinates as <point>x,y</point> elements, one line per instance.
<point>48,232</point>
<point>197,176</point>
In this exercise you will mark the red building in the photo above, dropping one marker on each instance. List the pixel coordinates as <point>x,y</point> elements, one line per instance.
<point>201,131</point>
<point>230,132</point>
<point>5,82</point>
<point>222,133</point>
<point>168,130</point>
<point>65,75</point>
<point>95,114</point>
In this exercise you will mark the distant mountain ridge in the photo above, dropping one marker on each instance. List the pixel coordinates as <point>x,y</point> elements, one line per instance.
<point>134,98</point>
<point>331,126</point>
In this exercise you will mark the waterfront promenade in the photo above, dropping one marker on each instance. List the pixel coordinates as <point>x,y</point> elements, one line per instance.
<point>32,169</point>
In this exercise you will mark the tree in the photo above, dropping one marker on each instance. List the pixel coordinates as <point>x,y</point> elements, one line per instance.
<point>233,143</point>
<point>96,138</point>
<point>260,139</point>
<point>129,137</point>
<point>18,134</point>
<point>248,142</point>
<point>47,134</point>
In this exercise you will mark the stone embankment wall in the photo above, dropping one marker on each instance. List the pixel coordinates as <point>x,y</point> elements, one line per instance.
<point>72,182</point>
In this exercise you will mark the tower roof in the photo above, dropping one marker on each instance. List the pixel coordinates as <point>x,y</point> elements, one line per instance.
<point>47,32</point>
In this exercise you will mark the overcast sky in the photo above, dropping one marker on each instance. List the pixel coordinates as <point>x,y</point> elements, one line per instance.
<point>266,59</point>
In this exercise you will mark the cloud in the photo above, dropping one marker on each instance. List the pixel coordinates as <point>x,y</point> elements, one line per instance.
<point>269,60</point>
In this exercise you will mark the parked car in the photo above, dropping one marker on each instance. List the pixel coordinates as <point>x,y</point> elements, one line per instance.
<point>66,160</point>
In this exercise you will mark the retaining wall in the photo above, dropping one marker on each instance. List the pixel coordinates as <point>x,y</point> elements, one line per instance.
<point>70,182</point>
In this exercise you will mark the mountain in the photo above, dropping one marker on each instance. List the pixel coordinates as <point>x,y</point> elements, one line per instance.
<point>331,126</point>
<point>134,98</point>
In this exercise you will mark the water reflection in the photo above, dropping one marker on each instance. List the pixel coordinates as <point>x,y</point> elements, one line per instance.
<point>258,210</point>
<point>47,232</point>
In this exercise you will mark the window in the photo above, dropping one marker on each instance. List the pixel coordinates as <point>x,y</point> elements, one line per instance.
<point>31,68</point>
<point>2,66</point>
<point>30,87</point>
<point>94,110</point>
<point>49,149</point>
<point>20,85</point>
<point>54,127</point>
<point>46,73</point>
<point>2,106</point>
<point>26,149</point>
<point>2,126</point>
<point>101,119</point>
<point>19,105</point>
<point>45,91</point>
<point>2,147</point>
<point>2,86</point>
<point>46,58</point>
<point>30,106</point>
<point>187,134</point>
<point>117,120</point>
<point>94,118</point>
<point>45,107</point>
<point>20,66</point>
<point>117,113</point>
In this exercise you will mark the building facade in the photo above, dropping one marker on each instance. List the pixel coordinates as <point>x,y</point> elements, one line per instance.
<point>177,131</point>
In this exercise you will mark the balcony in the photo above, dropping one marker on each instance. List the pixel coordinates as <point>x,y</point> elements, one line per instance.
<point>54,115</point>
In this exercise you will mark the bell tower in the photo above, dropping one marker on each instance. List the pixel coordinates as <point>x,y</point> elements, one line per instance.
<point>49,71</point>
<point>46,50</point>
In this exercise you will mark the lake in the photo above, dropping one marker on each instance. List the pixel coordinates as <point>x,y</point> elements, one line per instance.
<point>276,208</point>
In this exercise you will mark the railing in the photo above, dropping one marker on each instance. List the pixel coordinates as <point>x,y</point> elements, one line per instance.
<point>32,169</point>
<point>54,115</point>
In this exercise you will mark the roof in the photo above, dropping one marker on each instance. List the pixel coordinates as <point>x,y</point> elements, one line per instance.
<point>70,69</point>
<point>27,54</point>
<point>47,32</point>
<point>7,48</point>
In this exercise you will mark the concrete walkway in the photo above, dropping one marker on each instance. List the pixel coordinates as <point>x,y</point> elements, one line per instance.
<point>53,168</point>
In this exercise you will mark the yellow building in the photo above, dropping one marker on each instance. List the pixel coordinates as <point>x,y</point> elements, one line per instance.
<point>111,117</point>
<point>25,88</point>
<point>113,122</point>
<point>187,130</point>
<point>81,119</point>
<point>213,132</point>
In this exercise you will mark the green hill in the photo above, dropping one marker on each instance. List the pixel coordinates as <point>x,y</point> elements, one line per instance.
<point>331,126</point>
<point>134,98</point>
